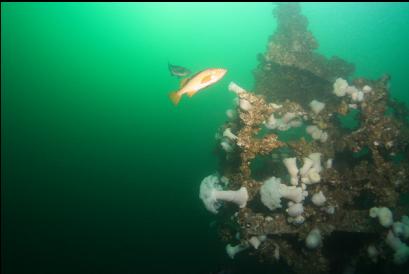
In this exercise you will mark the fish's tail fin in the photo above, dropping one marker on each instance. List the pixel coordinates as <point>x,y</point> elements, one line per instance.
<point>175,97</point>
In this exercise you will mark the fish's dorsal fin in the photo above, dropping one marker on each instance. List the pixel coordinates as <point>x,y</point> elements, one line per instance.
<point>184,81</point>
<point>206,79</point>
<point>191,93</point>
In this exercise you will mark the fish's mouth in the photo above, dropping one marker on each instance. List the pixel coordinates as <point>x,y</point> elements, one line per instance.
<point>222,72</point>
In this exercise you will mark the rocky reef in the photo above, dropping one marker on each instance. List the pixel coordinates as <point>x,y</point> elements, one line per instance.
<point>290,68</point>
<point>318,164</point>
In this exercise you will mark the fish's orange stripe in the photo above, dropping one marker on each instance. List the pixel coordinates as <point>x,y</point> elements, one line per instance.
<point>205,79</point>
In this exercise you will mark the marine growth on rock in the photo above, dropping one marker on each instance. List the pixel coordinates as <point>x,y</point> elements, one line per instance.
<point>331,182</point>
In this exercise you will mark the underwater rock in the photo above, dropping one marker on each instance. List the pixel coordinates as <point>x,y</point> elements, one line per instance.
<point>329,173</point>
<point>290,69</point>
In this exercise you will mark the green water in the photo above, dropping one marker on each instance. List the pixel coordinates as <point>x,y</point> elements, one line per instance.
<point>100,172</point>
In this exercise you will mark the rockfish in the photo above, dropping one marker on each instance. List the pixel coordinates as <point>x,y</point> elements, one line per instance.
<point>197,82</point>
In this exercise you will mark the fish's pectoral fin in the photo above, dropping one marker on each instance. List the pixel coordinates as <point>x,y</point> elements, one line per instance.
<point>183,82</point>
<point>191,93</point>
<point>175,97</point>
<point>206,79</point>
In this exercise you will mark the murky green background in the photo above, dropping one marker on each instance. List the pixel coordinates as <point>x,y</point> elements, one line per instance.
<point>100,172</point>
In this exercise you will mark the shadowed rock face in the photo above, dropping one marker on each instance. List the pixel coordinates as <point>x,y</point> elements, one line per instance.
<point>290,69</point>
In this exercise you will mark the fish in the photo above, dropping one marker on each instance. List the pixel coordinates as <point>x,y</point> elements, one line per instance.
<point>178,71</point>
<point>197,82</point>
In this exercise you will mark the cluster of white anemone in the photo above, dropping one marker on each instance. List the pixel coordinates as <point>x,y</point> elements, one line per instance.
<point>272,190</point>
<point>244,104</point>
<point>396,237</point>
<point>271,193</point>
<point>311,169</point>
<point>228,140</point>
<point>342,88</point>
<point>254,241</point>
<point>287,121</point>
<point>316,133</point>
